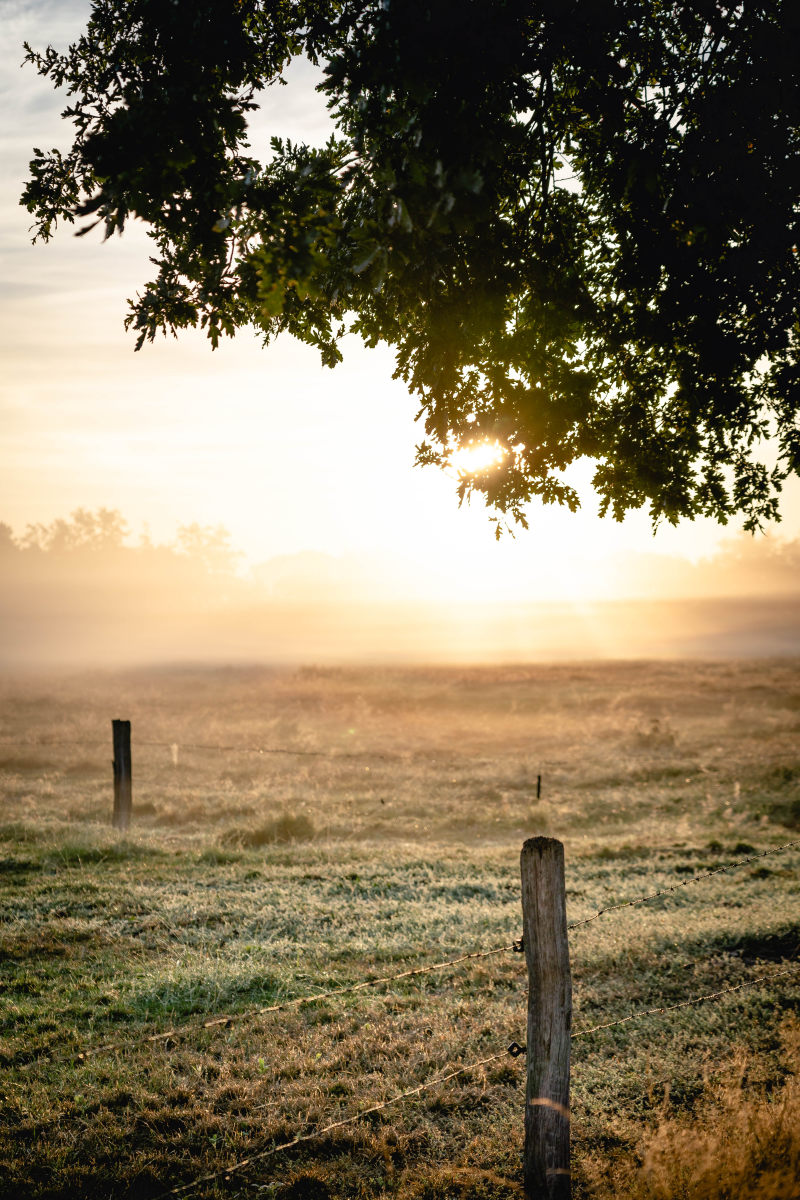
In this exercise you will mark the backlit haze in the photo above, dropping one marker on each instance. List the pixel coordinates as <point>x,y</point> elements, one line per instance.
<point>347,550</point>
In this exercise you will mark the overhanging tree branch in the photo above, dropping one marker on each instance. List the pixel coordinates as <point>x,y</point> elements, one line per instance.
<point>646,318</point>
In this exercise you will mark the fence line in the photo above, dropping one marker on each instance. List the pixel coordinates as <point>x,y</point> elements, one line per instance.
<point>356,987</point>
<point>540,1156</point>
<point>393,757</point>
<point>396,756</point>
<point>296,1002</point>
<point>28,743</point>
<point>649,1012</point>
<point>514,1050</point>
<point>228,1019</point>
<point>683,883</point>
<point>548,993</point>
<point>400,757</point>
<point>388,756</point>
<point>317,1133</point>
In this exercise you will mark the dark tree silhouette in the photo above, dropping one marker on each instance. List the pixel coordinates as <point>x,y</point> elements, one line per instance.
<point>576,221</point>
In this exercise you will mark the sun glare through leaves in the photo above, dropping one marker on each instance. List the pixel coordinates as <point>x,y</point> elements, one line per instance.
<point>473,458</point>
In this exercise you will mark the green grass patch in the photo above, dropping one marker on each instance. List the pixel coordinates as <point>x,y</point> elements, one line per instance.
<point>261,880</point>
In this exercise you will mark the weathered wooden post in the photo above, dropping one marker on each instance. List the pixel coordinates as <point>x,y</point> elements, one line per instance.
<point>546,1161</point>
<point>123,786</point>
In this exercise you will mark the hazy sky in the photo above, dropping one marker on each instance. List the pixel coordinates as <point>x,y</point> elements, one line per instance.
<point>288,456</point>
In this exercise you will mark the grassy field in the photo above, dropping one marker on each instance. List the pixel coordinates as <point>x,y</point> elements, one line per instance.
<point>388,839</point>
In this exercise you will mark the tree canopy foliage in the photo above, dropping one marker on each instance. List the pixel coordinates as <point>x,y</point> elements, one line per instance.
<point>575,221</point>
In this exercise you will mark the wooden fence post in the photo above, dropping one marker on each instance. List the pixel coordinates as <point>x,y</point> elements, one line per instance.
<point>544,917</point>
<point>123,787</point>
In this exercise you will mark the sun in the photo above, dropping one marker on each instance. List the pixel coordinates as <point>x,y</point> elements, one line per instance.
<point>474,457</point>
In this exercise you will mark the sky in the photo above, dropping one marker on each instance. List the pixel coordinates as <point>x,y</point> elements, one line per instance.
<point>291,458</point>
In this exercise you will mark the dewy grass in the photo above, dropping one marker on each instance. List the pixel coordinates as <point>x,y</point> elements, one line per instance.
<point>739,1140</point>
<point>252,879</point>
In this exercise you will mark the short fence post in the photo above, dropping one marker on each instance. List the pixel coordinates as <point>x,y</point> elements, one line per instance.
<point>123,787</point>
<point>546,1160</point>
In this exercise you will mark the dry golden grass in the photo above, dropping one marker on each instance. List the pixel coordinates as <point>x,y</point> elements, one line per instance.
<point>417,753</point>
<point>738,1143</point>
<point>391,841</point>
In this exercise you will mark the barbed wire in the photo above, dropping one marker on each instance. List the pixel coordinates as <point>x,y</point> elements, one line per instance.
<point>514,1049</point>
<point>228,1019</point>
<point>39,743</point>
<point>383,755</point>
<point>45,743</point>
<point>665,1008</point>
<point>395,756</point>
<point>226,1172</point>
<point>681,884</point>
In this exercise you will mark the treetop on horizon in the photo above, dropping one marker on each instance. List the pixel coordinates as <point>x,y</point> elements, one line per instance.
<point>576,223</point>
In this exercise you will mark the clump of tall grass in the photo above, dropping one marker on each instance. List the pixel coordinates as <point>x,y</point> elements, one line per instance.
<point>736,1144</point>
<point>785,811</point>
<point>657,734</point>
<point>781,784</point>
<point>463,1183</point>
<point>288,827</point>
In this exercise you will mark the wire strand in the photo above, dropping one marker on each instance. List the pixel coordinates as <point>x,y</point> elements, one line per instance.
<point>683,883</point>
<point>270,750</point>
<point>297,1001</point>
<point>665,1008</point>
<point>226,1172</point>
<point>318,1133</point>
<point>42,743</point>
<point>228,1019</point>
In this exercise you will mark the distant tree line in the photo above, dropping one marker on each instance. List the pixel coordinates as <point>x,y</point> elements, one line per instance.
<point>91,537</point>
<point>96,549</point>
<point>84,590</point>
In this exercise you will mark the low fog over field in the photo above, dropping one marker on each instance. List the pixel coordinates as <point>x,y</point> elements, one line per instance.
<point>82,590</point>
